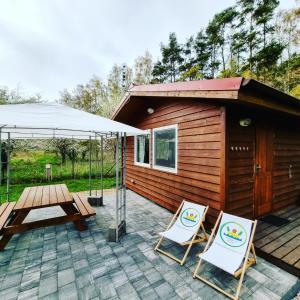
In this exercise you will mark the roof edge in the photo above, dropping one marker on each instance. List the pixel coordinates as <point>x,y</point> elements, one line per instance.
<point>120,105</point>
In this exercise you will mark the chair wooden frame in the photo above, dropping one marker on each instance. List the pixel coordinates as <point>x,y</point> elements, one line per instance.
<point>188,243</point>
<point>241,271</point>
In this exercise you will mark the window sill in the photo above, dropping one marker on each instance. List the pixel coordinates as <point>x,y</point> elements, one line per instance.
<point>141,165</point>
<point>165,169</point>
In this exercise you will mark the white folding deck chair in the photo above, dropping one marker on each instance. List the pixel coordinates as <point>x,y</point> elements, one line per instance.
<point>184,228</point>
<point>229,249</point>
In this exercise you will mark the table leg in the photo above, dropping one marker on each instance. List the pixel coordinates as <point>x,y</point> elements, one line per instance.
<point>16,219</point>
<point>69,209</point>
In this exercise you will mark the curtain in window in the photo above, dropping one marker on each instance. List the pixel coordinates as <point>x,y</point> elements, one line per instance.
<point>141,147</point>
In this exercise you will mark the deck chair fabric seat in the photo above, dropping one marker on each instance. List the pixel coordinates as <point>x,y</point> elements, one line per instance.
<point>184,228</point>
<point>230,244</point>
<point>228,248</point>
<point>186,225</point>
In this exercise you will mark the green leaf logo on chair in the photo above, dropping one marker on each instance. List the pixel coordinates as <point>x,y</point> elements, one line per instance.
<point>233,234</point>
<point>189,217</point>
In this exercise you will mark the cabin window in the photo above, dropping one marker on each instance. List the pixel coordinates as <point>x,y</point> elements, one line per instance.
<point>142,150</point>
<point>165,148</point>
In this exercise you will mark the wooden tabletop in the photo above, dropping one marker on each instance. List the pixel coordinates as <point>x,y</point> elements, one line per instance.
<point>43,196</point>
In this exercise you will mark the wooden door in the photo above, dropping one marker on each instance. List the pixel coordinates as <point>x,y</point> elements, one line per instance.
<point>263,170</point>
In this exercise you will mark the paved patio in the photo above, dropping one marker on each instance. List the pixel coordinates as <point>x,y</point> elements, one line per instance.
<point>59,262</point>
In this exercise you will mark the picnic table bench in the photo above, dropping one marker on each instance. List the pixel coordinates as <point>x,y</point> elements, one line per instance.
<point>12,214</point>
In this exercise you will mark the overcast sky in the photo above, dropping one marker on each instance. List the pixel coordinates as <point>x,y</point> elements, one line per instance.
<point>49,45</point>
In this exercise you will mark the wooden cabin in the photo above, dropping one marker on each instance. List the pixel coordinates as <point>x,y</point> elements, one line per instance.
<point>233,144</point>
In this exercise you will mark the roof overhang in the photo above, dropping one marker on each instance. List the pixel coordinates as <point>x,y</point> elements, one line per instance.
<point>230,90</point>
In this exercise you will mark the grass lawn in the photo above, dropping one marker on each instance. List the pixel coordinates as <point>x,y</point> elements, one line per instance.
<point>29,167</point>
<point>74,185</point>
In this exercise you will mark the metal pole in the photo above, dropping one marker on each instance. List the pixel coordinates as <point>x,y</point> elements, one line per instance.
<point>0,163</point>
<point>102,168</point>
<point>117,187</point>
<point>8,167</point>
<point>0,158</point>
<point>96,158</point>
<point>121,180</point>
<point>124,176</point>
<point>90,165</point>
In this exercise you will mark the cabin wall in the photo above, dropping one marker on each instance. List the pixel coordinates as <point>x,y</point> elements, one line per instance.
<point>200,161</point>
<point>286,166</point>
<point>241,158</point>
<point>282,187</point>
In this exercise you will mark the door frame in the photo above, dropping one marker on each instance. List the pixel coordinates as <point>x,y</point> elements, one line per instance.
<point>263,156</point>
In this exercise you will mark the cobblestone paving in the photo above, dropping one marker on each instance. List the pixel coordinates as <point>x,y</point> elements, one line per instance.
<point>58,262</point>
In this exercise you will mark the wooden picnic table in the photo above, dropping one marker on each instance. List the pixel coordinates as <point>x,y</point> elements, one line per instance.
<point>12,214</point>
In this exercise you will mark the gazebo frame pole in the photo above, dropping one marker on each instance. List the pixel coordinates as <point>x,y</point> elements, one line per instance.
<point>0,158</point>
<point>124,177</point>
<point>90,165</point>
<point>117,187</point>
<point>101,141</point>
<point>8,167</point>
<point>96,163</point>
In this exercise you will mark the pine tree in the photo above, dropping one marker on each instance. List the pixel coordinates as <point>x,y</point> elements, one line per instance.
<point>224,21</point>
<point>213,41</point>
<point>246,17</point>
<point>202,54</point>
<point>187,68</point>
<point>169,67</point>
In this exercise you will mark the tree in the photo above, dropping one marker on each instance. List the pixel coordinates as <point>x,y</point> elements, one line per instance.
<point>62,146</point>
<point>263,15</point>
<point>159,72</point>
<point>15,96</point>
<point>267,59</point>
<point>246,20</point>
<point>222,21</point>
<point>171,61</point>
<point>201,54</point>
<point>288,33</point>
<point>238,47</point>
<point>72,153</point>
<point>213,42</point>
<point>288,75</point>
<point>269,52</point>
<point>188,69</point>
<point>119,80</point>
<point>87,97</point>
<point>143,67</point>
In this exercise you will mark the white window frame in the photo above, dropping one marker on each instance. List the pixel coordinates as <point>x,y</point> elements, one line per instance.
<point>137,163</point>
<point>160,168</point>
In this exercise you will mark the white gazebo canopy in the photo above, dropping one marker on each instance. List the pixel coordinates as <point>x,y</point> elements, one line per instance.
<point>51,120</point>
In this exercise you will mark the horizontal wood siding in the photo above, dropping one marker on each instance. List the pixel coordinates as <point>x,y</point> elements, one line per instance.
<point>286,149</point>
<point>240,155</point>
<point>199,156</point>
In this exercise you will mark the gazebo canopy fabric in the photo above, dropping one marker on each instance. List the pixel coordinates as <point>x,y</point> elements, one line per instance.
<point>51,120</point>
